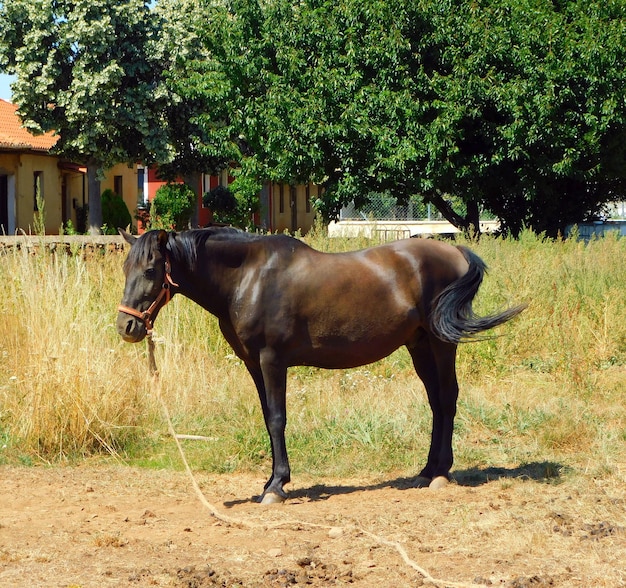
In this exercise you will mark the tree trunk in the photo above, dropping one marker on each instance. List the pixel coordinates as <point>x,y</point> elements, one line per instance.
<point>192,179</point>
<point>95,202</point>
<point>468,223</point>
<point>473,219</point>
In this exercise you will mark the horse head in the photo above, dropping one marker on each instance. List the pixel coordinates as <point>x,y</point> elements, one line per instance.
<point>148,284</point>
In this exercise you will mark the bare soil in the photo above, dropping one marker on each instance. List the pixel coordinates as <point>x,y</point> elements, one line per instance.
<point>97,526</point>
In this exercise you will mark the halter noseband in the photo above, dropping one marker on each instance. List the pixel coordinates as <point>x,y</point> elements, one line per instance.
<point>146,315</point>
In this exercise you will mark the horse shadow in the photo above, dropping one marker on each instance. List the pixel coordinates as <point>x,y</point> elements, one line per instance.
<point>544,472</point>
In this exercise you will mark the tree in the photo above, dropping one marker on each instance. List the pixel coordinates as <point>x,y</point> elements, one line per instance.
<point>188,78</point>
<point>233,207</point>
<point>90,71</point>
<point>316,91</point>
<point>507,105</point>
<point>115,213</point>
<point>528,120</point>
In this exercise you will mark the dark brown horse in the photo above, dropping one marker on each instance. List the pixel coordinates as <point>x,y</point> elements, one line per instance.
<point>280,303</point>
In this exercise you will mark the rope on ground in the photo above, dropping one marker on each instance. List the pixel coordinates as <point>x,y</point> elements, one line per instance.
<point>426,576</point>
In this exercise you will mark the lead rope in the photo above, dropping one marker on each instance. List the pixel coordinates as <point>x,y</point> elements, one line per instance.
<point>154,372</point>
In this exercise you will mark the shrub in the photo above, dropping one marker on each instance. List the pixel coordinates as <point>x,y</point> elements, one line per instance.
<point>235,204</point>
<point>173,206</point>
<point>222,203</point>
<point>115,213</point>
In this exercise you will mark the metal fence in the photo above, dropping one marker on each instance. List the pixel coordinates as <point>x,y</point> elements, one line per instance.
<point>381,207</point>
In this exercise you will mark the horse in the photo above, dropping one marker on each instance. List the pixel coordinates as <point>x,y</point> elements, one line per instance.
<point>281,303</point>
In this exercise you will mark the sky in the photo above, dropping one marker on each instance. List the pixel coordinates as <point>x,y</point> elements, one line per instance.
<point>5,90</point>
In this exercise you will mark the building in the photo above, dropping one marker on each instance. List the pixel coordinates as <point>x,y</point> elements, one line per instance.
<point>28,167</point>
<point>25,163</point>
<point>283,207</point>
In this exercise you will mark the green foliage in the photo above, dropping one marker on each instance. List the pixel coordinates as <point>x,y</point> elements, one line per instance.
<point>68,229</point>
<point>39,218</point>
<point>115,213</point>
<point>236,204</point>
<point>512,106</point>
<point>525,119</point>
<point>173,206</point>
<point>90,71</point>
<point>222,203</point>
<point>190,82</point>
<point>502,105</point>
<point>246,190</point>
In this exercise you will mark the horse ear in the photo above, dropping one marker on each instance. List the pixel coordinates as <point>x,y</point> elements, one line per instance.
<point>162,238</point>
<point>130,239</point>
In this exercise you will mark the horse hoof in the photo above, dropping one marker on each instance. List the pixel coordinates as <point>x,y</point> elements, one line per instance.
<point>422,482</point>
<point>438,483</point>
<point>272,498</point>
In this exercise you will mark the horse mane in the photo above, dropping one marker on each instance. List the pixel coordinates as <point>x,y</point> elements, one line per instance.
<point>184,246</point>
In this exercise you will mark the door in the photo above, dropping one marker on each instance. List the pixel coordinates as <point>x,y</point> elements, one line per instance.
<point>4,204</point>
<point>293,203</point>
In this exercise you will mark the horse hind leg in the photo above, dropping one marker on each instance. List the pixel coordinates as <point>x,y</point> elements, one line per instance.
<point>435,364</point>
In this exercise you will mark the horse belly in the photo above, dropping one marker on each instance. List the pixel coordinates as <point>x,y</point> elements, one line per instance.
<point>360,344</point>
<point>354,311</point>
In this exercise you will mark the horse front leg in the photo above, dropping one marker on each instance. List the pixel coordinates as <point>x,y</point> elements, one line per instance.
<point>271,383</point>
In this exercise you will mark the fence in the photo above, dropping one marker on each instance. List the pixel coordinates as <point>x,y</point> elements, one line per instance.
<point>381,207</point>
<point>76,244</point>
<point>385,208</point>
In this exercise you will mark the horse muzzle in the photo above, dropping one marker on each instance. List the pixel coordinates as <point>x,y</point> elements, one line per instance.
<point>130,328</point>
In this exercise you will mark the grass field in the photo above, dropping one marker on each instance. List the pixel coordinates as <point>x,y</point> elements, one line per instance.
<point>548,393</point>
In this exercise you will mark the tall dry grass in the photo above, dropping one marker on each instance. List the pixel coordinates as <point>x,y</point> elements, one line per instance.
<point>549,390</point>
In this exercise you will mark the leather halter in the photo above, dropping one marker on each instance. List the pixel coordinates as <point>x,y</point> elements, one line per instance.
<point>147,315</point>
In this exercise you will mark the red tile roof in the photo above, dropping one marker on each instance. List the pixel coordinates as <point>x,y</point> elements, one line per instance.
<point>14,136</point>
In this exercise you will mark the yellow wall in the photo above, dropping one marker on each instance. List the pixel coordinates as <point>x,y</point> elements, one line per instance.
<point>57,184</point>
<point>8,162</point>
<point>287,220</point>
<point>21,168</point>
<point>75,194</point>
<point>129,184</point>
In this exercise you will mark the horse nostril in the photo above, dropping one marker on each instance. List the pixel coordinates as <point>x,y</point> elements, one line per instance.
<point>129,327</point>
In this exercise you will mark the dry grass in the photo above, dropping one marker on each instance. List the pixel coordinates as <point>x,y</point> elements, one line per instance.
<point>547,394</point>
<point>62,389</point>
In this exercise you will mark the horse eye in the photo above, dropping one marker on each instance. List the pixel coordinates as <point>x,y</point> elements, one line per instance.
<point>149,273</point>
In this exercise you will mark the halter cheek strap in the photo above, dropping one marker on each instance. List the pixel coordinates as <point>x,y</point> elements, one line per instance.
<point>147,315</point>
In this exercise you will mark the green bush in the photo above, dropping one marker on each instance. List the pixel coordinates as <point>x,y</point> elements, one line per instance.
<point>235,204</point>
<point>115,213</point>
<point>173,206</point>
<point>222,203</point>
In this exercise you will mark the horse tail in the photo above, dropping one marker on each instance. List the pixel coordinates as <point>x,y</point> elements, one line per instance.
<point>452,318</point>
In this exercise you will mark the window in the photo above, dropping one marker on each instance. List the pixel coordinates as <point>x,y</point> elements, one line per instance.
<point>281,199</point>
<point>117,185</point>
<point>141,176</point>
<point>37,189</point>
<point>307,196</point>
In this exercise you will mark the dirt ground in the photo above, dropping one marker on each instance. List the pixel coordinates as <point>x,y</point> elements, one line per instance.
<point>119,526</point>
